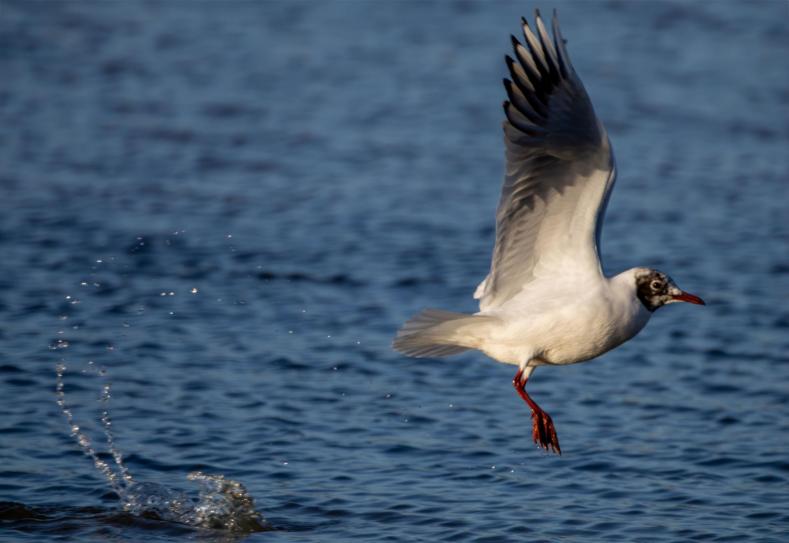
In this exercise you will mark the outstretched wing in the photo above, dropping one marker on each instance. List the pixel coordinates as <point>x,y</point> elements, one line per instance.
<point>559,172</point>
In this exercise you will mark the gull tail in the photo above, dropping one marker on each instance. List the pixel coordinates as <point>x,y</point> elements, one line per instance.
<point>437,333</point>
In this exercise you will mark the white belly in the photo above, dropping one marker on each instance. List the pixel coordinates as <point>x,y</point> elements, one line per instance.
<point>564,329</point>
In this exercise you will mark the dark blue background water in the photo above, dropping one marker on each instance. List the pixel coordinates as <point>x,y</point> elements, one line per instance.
<point>318,172</point>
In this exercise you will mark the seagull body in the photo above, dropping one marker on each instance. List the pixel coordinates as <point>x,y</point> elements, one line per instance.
<point>555,323</point>
<point>546,300</point>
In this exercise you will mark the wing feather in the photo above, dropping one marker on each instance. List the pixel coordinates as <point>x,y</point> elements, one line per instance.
<point>559,172</point>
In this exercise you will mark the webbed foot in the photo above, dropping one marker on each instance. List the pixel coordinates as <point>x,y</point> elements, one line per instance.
<point>544,432</point>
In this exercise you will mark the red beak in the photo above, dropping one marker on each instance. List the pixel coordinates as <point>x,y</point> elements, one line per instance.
<point>690,298</point>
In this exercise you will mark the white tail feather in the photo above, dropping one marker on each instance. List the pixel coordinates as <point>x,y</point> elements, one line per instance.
<point>436,333</point>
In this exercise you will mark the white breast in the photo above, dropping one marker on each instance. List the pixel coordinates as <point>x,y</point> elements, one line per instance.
<point>560,325</point>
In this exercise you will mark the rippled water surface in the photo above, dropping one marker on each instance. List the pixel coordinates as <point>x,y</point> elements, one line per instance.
<point>225,210</point>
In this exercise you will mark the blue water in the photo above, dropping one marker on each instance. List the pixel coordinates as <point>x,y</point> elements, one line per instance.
<point>231,207</point>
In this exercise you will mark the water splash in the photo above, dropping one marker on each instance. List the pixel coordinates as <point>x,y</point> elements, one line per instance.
<point>221,504</point>
<point>106,424</point>
<point>82,438</point>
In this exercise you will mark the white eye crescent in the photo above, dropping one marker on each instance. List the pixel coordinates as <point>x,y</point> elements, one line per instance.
<point>656,285</point>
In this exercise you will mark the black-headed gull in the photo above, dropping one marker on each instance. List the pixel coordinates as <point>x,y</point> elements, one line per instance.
<point>546,300</point>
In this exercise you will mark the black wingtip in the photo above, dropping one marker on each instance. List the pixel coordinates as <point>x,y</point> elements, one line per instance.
<point>508,89</point>
<point>524,21</point>
<point>537,13</point>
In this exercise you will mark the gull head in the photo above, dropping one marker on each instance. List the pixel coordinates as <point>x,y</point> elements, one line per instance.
<point>656,289</point>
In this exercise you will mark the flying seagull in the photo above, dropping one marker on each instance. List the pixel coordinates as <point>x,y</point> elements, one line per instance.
<point>546,300</point>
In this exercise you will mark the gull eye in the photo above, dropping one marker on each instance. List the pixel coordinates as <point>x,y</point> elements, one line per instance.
<point>656,285</point>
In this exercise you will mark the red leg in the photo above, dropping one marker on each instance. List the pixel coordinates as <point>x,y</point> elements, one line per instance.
<point>543,430</point>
